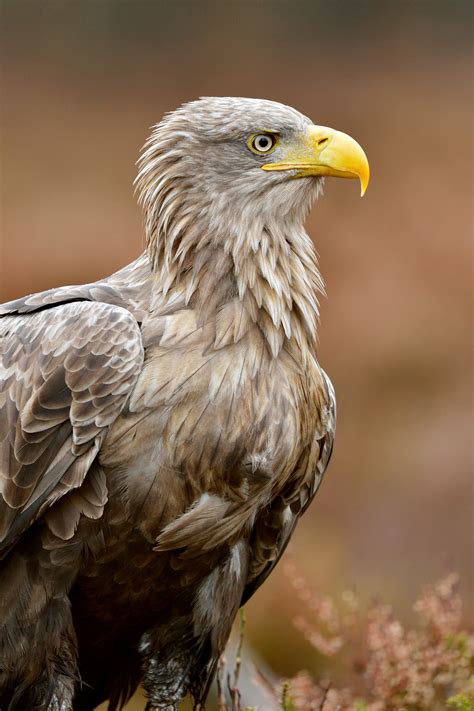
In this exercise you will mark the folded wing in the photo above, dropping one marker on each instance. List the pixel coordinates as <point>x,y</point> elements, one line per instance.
<point>65,374</point>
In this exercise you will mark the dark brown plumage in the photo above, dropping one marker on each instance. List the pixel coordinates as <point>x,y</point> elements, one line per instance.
<point>162,430</point>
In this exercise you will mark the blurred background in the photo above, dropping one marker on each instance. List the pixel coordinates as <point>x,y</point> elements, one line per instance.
<point>82,81</point>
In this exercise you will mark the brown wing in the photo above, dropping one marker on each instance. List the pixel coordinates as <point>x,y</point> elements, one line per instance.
<point>65,374</point>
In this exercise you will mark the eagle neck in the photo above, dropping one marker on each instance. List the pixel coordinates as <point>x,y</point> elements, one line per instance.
<point>278,281</point>
<point>265,273</point>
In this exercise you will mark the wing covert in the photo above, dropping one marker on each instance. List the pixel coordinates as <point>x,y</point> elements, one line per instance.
<point>65,375</point>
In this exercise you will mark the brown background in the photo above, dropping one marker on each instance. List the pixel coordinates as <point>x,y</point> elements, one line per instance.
<point>83,81</point>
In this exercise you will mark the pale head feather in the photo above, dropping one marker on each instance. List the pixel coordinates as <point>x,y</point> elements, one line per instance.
<point>218,226</point>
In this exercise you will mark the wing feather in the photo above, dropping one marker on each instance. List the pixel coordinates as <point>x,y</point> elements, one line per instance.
<point>65,375</point>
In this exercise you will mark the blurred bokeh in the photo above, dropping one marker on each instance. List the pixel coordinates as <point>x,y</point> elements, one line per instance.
<point>81,84</point>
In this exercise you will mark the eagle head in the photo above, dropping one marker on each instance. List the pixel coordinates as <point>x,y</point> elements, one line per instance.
<point>229,163</point>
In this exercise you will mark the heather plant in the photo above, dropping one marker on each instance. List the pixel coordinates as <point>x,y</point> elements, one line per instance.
<point>427,668</point>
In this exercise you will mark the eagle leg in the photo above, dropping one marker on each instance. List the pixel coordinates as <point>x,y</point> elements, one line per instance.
<point>167,666</point>
<point>181,657</point>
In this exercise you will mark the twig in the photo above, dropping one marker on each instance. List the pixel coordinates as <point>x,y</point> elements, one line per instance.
<point>325,695</point>
<point>285,699</point>
<point>234,689</point>
<point>221,704</point>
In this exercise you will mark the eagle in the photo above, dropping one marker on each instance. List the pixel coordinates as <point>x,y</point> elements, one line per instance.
<point>163,429</point>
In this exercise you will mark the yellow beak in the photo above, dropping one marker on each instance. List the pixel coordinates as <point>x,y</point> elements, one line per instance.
<point>324,151</point>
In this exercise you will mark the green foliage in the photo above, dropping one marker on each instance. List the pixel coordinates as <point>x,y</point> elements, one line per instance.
<point>460,702</point>
<point>285,701</point>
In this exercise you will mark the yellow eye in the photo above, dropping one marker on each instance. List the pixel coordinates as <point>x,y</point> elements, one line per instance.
<point>262,143</point>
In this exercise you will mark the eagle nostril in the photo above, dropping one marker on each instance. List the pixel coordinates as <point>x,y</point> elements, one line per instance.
<point>322,141</point>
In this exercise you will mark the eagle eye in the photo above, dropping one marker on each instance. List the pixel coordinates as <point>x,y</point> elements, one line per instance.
<point>262,143</point>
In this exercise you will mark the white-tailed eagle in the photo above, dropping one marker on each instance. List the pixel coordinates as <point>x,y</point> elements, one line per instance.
<point>163,429</point>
